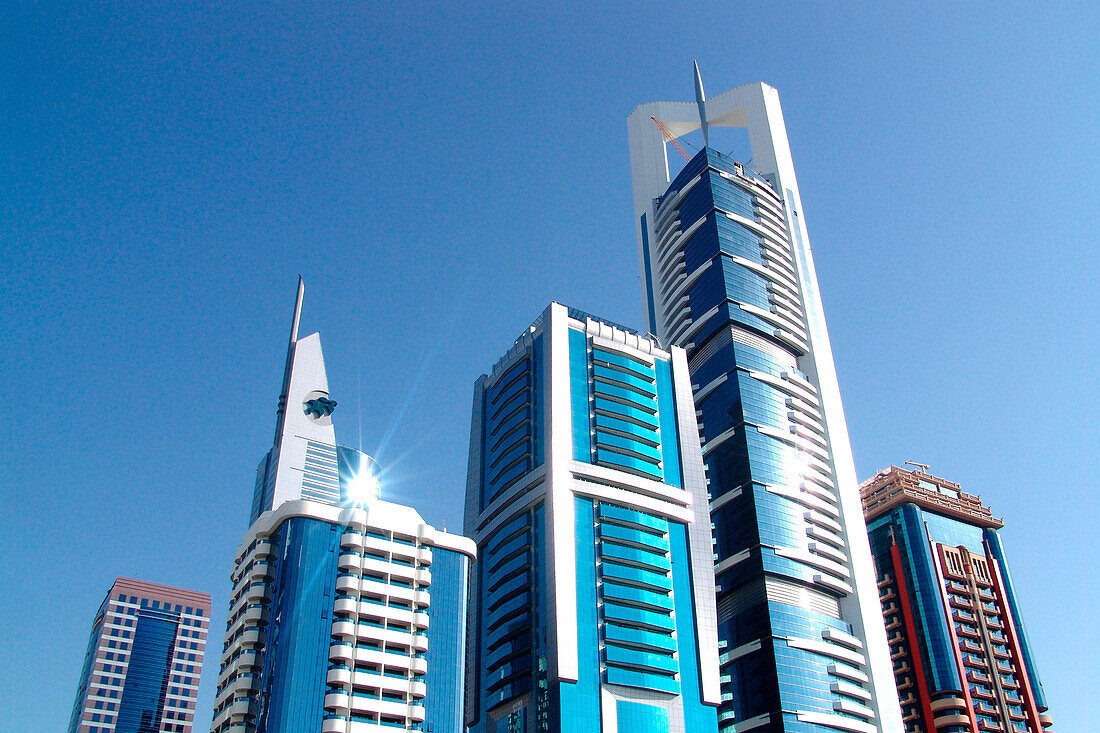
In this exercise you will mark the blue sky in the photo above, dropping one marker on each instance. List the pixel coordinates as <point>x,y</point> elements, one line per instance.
<point>438,174</point>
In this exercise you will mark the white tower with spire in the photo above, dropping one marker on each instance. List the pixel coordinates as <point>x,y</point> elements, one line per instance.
<point>781,321</point>
<point>302,463</point>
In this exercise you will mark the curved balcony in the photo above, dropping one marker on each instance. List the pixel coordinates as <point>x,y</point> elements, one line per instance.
<point>345,605</point>
<point>424,577</point>
<point>347,583</point>
<point>418,665</point>
<point>952,719</point>
<point>245,707</point>
<point>948,703</point>
<point>338,701</point>
<point>334,725</point>
<point>338,677</point>
<point>343,629</point>
<point>420,642</point>
<point>416,713</point>
<point>258,615</point>
<point>248,659</point>
<point>341,653</point>
<point>422,598</point>
<point>350,562</point>
<point>257,593</point>
<point>420,620</point>
<point>352,541</point>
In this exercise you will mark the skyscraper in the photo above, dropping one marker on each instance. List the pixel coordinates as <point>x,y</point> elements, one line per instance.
<point>593,602</point>
<point>348,613</point>
<point>141,671</point>
<point>729,277</point>
<point>961,658</point>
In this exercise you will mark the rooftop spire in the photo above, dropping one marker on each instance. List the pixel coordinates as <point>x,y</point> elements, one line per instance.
<point>701,101</point>
<point>297,310</point>
<point>281,409</point>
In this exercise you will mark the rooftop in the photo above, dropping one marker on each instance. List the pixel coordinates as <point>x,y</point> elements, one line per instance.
<point>894,486</point>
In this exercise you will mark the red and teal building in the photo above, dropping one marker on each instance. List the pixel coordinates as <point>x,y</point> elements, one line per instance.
<point>960,654</point>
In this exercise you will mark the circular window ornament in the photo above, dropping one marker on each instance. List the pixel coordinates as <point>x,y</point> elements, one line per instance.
<point>318,407</point>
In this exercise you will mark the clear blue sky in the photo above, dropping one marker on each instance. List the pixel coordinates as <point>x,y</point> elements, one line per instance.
<point>438,174</point>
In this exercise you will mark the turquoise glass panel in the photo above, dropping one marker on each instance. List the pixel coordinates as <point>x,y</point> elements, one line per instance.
<point>578,396</point>
<point>634,556</point>
<point>634,464</point>
<point>648,522</point>
<point>621,360</point>
<point>650,661</point>
<point>652,542</point>
<point>653,639</point>
<point>638,432</point>
<point>580,702</point>
<point>697,715</point>
<point>636,576</point>
<point>644,401</point>
<point>670,440</point>
<point>634,678</point>
<point>643,450</point>
<point>658,621</point>
<point>637,717</point>
<point>628,379</point>
<point>627,412</point>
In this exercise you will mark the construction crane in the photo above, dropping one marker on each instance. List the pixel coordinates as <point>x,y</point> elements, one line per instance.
<point>669,137</point>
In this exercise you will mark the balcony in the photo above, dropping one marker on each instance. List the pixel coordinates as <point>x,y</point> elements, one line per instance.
<point>338,677</point>
<point>338,701</point>
<point>352,541</point>
<point>948,703</point>
<point>334,725</point>
<point>343,629</point>
<point>952,719</point>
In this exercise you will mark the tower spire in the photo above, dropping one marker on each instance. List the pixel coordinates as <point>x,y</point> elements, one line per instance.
<point>281,409</point>
<point>701,101</point>
<point>297,310</point>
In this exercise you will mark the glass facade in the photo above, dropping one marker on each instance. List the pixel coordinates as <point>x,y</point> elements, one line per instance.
<point>446,655</point>
<point>140,709</point>
<point>558,552</point>
<point>723,281</point>
<point>291,685</point>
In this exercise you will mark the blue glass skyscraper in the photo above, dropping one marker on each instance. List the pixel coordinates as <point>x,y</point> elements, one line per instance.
<point>730,278</point>
<point>592,603</point>
<point>348,613</point>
